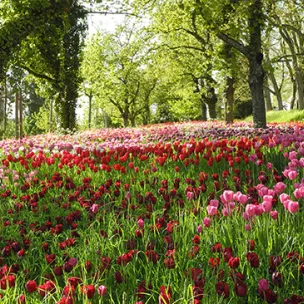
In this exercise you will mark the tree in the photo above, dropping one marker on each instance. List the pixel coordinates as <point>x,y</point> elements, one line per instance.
<point>243,32</point>
<point>287,17</point>
<point>117,67</point>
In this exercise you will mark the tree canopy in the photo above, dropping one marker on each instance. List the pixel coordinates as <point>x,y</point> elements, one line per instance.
<point>187,59</point>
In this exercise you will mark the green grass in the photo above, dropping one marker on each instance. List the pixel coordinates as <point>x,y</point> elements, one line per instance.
<point>281,116</point>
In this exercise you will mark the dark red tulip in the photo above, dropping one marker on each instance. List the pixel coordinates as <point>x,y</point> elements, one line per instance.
<point>88,290</point>
<point>118,277</point>
<point>240,289</point>
<point>222,289</point>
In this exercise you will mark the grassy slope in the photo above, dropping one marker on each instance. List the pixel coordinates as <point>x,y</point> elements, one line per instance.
<point>282,116</point>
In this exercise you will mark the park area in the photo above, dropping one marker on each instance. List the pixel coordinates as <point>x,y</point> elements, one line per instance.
<point>196,212</point>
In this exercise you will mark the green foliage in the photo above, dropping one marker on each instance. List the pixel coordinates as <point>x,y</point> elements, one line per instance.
<point>118,70</point>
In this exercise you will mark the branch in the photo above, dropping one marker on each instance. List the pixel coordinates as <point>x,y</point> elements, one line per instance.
<point>271,91</point>
<point>136,93</point>
<point>291,27</point>
<point>234,43</point>
<point>111,13</point>
<point>183,47</point>
<point>39,75</point>
<point>116,104</point>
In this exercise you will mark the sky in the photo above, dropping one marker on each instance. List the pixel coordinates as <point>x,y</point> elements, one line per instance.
<point>105,22</point>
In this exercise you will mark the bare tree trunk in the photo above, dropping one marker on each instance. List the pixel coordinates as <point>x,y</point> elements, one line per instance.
<point>277,91</point>
<point>211,100</point>
<point>17,116</point>
<point>5,105</point>
<point>125,117</point>
<point>256,71</point>
<point>51,116</point>
<point>90,109</point>
<point>294,85</point>
<point>300,85</point>
<point>268,95</point>
<point>204,111</point>
<point>294,92</point>
<point>299,75</point>
<point>229,100</point>
<point>132,120</point>
<point>21,114</point>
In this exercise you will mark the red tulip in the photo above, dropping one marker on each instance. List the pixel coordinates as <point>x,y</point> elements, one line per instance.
<point>222,289</point>
<point>240,289</point>
<point>234,262</point>
<point>118,277</point>
<point>31,286</point>
<point>253,259</point>
<point>88,290</point>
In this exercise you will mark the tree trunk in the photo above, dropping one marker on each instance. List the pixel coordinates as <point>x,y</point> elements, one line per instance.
<point>277,91</point>
<point>294,85</point>
<point>5,106</point>
<point>294,92</point>
<point>21,114</point>
<point>299,75</point>
<point>90,109</point>
<point>17,116</point>
<point>256,79</point>
<point>268,95</point>
<point>229,100</point>
<point>132,120</point>
<point>51,116</point>
<point>204,111</point>
<point>255,58</point>
<point>211,100</point>
<point>300,85</point>
<point>125,117</point>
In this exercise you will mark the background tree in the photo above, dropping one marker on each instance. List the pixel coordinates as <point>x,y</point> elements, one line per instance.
<point>118,67</point>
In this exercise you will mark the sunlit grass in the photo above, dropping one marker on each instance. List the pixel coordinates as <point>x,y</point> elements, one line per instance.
<point>281,116</point>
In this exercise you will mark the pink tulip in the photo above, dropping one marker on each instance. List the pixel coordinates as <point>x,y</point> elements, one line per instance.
<point>259,210</point>
<point>274,214</point>
<point>94,208</point>
<point>292,155</point>
<point>102,290</point>
<point>283,197</point>
<point>206,222</point>
<point>199,229</point>
<point>266,205</point>
<point>267,198</point>
<point>190,195</point>
<point>292,175</point>
<point>243,199</point>
<point>250,210</point>
<point>247,227</point>
<point>227,196</point>
<point>211,210</point>
<point>299,193</point>
<point>214,203</point>
<point>140,223</point>
<point>263,285</point>
<point>293,207</point>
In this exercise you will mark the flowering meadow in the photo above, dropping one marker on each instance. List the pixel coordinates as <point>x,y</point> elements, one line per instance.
<point>173,213</point>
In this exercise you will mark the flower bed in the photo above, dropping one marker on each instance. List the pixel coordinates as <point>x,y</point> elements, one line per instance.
<point>174,213</point>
